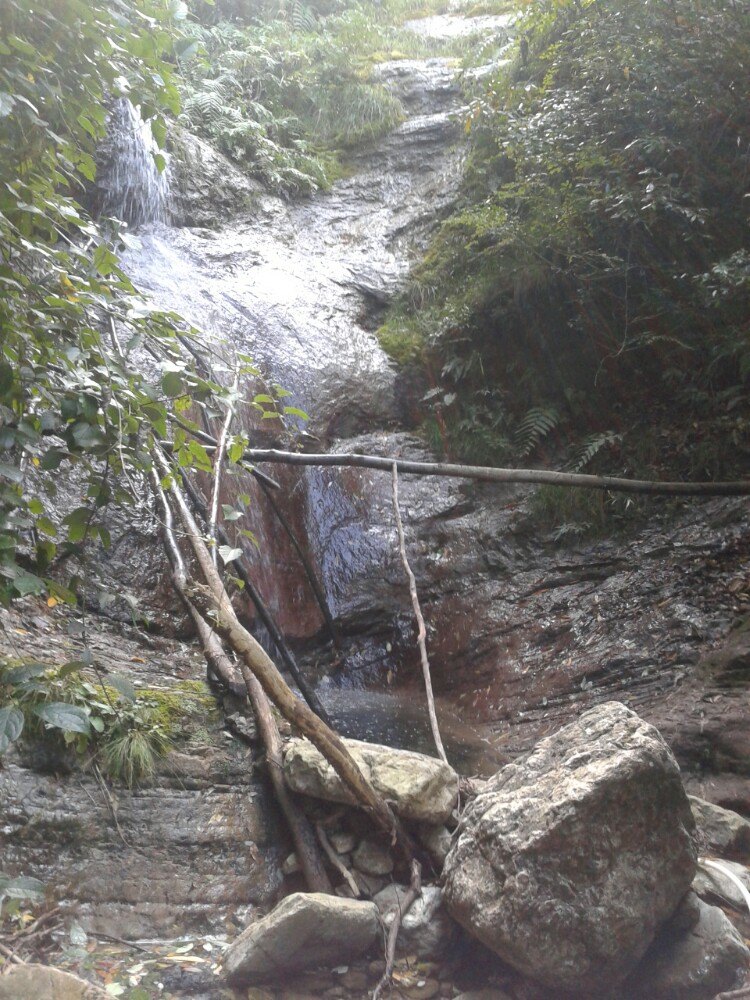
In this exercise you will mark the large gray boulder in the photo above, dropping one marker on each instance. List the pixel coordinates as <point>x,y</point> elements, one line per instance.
<point>305,929</point>
<point>418,787</point>
<point>694,963</point>
<point>573,856</point>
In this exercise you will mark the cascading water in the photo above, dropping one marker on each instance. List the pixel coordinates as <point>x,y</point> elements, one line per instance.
<point>298,286</point>
<point>130,186</point>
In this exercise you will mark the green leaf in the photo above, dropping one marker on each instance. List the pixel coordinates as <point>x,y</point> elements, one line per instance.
<point>121,684</point>
<point>230,514</point>
<point>11,472</point>
<point>228,554</point>
<point>294,411</point>
<point>69,718</point>
<point>23,887</point>
<point>172,384</point>
<point>77,522</point>
<point>72,667</point>
<point>11,726</point>
<point>26,583</point>
<point>17,675</point>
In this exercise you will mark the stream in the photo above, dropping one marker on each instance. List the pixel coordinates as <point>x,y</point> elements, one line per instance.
<point>527,625</point>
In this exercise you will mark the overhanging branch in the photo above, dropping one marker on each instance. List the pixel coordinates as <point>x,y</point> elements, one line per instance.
<point>484,473</point>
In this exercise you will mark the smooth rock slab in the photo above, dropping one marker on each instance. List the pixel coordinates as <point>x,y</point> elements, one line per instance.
<point>42,982</point>
<point>696,964</point>
<point>418,787</point>
<point>304,930</point>
<point>573,856</point>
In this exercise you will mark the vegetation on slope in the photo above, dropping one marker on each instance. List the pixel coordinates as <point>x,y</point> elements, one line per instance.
<point>286,90</point>
<point>595,280</point>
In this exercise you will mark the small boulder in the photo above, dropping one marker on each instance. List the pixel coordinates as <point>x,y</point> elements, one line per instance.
<point>304,930</point>
<point>372,858</point>
<point>426,929</point>
<point>437,840</point>
<point>418,787</point>
<point>693,964</point>
<point>42,982</point>
<point>573,856</point>
<point>723,831</point>
<point>716,886</point>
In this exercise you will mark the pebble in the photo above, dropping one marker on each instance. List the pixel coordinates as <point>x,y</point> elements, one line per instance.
<point>423,989</point>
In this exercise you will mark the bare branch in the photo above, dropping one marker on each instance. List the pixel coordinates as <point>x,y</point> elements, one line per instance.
<point>215,601</point>
<point>414,890</point>
<point>336,861</point>
<point>422,634</point>
<point>218,463</point>
<point>488,474</point>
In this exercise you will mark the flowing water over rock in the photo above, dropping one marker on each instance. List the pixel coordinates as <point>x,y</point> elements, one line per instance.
<point>130,185</point>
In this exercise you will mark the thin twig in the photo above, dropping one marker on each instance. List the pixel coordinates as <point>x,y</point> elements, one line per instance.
<point>414,890</point>
<point>10,955</point>
<point>422,634</point>
<point>118,940</point>
<point>34,925</point>
<point>110,804</point>
<point>336,861</point>
<point>218,462</point>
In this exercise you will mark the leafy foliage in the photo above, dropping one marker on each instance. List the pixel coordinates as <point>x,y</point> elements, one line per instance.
<point>288,89</point>
<point>598,264</point>
<point>125,732</point>
<point>71,321</point>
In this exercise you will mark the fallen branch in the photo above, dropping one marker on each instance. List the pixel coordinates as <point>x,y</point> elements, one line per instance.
<point>414,890</point>
<point>299,827</point>
<point>212,599</point>
<point>422,634</point>
<point>308,692</point>
<point>488,474</point>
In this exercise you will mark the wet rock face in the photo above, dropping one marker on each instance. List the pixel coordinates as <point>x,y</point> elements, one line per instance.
<point>194,848</point>
<point>572,857</point>
<point>206,188</point>
<point>189,851</point>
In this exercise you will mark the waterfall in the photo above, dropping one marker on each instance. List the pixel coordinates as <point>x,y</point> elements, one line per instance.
<point>130,186</point>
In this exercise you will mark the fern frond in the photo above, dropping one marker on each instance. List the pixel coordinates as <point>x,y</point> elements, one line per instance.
<point>536,425</point>
<point>589,448</point>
